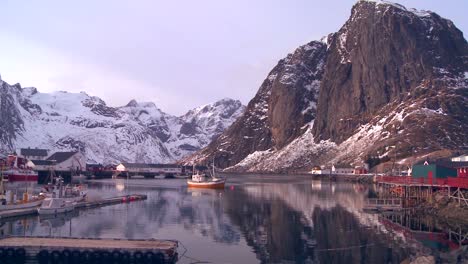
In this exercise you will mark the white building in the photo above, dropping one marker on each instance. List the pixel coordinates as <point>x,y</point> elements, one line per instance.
<point>460,158</point>
<point>150,168</point>
<point>318,170</point>
<point>342,169</point>
<point>62,161</point>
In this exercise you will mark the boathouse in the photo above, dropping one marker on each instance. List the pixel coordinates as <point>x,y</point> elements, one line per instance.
<point>435,171</point>
<point>68,161</point>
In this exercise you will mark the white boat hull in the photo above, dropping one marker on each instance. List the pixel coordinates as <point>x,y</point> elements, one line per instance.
<point>30,204</point>
<point>56,206</point>
<point>50,211</point>
<point>206,184</point>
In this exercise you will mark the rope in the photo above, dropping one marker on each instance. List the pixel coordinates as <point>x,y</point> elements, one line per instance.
<point>344,248</point>
<point>194,260</point>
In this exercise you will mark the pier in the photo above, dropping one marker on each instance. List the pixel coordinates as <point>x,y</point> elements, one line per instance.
<point>86,250</point>
<point>80,205</point>
<point>419,189</point>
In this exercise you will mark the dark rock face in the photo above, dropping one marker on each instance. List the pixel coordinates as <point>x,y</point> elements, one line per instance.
<point>11,123</point>
<point>391,77</point>
<point>381,55</point>
<point>284,104</point>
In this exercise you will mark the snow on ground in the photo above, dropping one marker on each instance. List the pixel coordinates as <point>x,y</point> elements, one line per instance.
<point>139,131</point>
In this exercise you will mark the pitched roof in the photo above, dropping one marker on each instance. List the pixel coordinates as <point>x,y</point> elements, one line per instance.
<point>61,156</point>
<point>42,162</point>
<point>33,152</point>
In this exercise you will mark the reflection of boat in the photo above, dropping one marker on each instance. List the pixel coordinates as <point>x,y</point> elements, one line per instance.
<point>56,206</point>
<point>201,181</point>
<point>52,220</point>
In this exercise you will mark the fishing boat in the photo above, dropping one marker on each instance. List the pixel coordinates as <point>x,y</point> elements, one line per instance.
<point>8,199</point>
<point>75,193</point>
<point>19,169</point>
<point>55,189</point>
<point>56,206</point>
<point>202,181</point>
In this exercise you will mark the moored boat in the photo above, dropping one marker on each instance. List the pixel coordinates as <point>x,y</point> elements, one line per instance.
<point>56,206</point>
<point>202,181</point>
<point>19,169</point>
<point>8,199</point>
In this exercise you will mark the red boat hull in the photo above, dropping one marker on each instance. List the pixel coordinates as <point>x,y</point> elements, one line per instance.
<point>22,178</point>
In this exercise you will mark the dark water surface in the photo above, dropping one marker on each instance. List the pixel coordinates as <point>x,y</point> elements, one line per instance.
<point>256,219</point>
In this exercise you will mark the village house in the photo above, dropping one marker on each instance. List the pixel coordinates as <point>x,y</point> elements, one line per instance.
<point>320,171</point>
<point>34,153</point>
<point>342,169</point>
<point>460,158</point>
<point>62,161</point>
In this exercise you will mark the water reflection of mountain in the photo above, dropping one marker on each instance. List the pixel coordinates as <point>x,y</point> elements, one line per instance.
<point>306,224</point>
<point>201,213</point>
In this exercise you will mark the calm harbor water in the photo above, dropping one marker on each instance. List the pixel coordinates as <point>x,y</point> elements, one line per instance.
<point>256,219</point>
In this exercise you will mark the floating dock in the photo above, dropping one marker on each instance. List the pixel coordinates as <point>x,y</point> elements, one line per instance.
<point>86,250</point>
<point>85,204</point>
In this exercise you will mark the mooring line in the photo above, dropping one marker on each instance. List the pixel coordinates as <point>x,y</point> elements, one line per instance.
<point>195,261</point>
<point>344,248</point>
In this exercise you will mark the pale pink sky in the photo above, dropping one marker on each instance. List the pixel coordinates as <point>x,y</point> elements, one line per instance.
<point>178,54</point>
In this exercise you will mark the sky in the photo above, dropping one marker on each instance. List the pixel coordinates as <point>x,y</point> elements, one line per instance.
<point>177,54</point>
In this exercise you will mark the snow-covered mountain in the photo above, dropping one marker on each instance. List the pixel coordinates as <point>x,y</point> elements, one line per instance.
<point>139,131</point>
<point>392,82</point>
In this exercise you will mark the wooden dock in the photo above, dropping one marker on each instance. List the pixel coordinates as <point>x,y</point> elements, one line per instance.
<point>87,250</point>
<point>81,205</point>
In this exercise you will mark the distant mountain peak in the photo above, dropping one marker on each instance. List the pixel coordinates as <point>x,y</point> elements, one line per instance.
<point>137,132</point>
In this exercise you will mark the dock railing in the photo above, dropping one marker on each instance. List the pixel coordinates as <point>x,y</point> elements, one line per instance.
<point>456,182</point>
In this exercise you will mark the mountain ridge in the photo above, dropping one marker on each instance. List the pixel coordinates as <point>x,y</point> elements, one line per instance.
<point>394,84</point>
<point>137,131</point>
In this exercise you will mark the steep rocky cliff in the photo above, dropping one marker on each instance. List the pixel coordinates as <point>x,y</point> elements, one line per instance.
<point>385,54</point>
<point>282,109</point>
<point>392,82</point>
